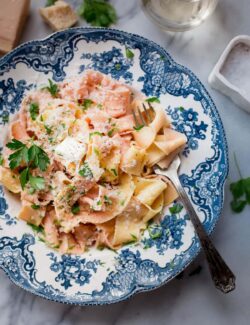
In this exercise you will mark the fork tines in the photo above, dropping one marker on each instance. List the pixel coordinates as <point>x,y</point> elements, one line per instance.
<point>138,116</point>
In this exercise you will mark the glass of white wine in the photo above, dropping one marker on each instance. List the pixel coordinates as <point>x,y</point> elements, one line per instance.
<point>178,15</point>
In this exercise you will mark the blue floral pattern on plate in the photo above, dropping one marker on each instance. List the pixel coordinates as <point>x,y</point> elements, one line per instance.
<point>110,62</point>
<point>166,235</point>
<point>72,269</point>
<point>187,121</point>
<point>101,277</point>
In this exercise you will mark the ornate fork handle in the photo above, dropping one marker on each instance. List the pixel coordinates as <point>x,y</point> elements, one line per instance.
<point>223,277</point>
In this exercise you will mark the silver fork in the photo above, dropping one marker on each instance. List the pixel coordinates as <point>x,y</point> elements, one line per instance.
<point>222,276</point>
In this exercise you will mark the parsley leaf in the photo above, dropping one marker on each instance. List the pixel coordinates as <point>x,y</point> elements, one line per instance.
<point>35,206</point>
<point>38,157</point>
<point>86,171</point>
<point>247,189</point>
<point>24,177</point>
<point>52,88</point>
<point>176,208</point>
<point>241,194</point>
<point>15,144</point>
<point>75,208</point>
<point>237,189</point>
<point>1,160</point>
<point>34,111</point>
<point>37,182</point>
<point>98,13</point>
<point>138,128</point>
<point>238,205</point>
<point>31,190</point>
<point>50,3</point>
<point>153,100</point>
<point>19,156</point>
<point>129,53</point>
<point>87,103</point>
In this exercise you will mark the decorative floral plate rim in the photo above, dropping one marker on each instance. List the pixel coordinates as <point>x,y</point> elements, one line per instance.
<point>194,248</point>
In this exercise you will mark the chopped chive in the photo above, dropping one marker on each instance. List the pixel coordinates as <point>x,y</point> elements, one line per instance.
<point>138,128</point>
<point>114,171</point>
<point>153,100</point>
<point>75,208</point>
<point>35,206</point>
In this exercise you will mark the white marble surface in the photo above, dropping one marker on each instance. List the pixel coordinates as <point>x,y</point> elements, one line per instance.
<point>191,300</point>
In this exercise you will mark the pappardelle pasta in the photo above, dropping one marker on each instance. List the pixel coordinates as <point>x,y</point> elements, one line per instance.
<point>82,168</point>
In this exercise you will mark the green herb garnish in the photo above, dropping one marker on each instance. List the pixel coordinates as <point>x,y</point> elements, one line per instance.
<point>50,3</point>
<point>154,232</point>
<point>35,206</point>
<point>52,88</point>
<point>153,100</point>
<point>134,237</point>
<point>118,66</point>
<point>176,208</point>
<point>138,128</point>
<point>181,108</point>
<point>95,133</point>
<point>241,194</point>
<point>31,190</point>
<point>133,240</point>
<point>107,200</point>
<point>96,151</point>
<point>37,182</point>
<point>122,202</point>
<point>111,131</point>
<point>240,191</point>
<point>34,111</point>
<point>48,129</point>
<point>1,160</point>
<point>129,53</point>
<point>20,155</point>
<point>38,158</point>
<point>114,171</point>
<point>98,13</point>
<point>75,208</point>
<point>38,229</point>
<point>87,103</point>
<point>24,177</point>
<point>86,171</point>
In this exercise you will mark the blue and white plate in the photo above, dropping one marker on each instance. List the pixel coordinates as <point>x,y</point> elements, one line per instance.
<point>102,277</point>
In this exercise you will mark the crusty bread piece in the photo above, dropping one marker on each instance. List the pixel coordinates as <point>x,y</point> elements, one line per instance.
<point>59,16</point>
<point>13,15</point>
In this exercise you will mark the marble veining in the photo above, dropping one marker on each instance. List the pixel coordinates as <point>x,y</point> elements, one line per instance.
<point>191,299</point>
